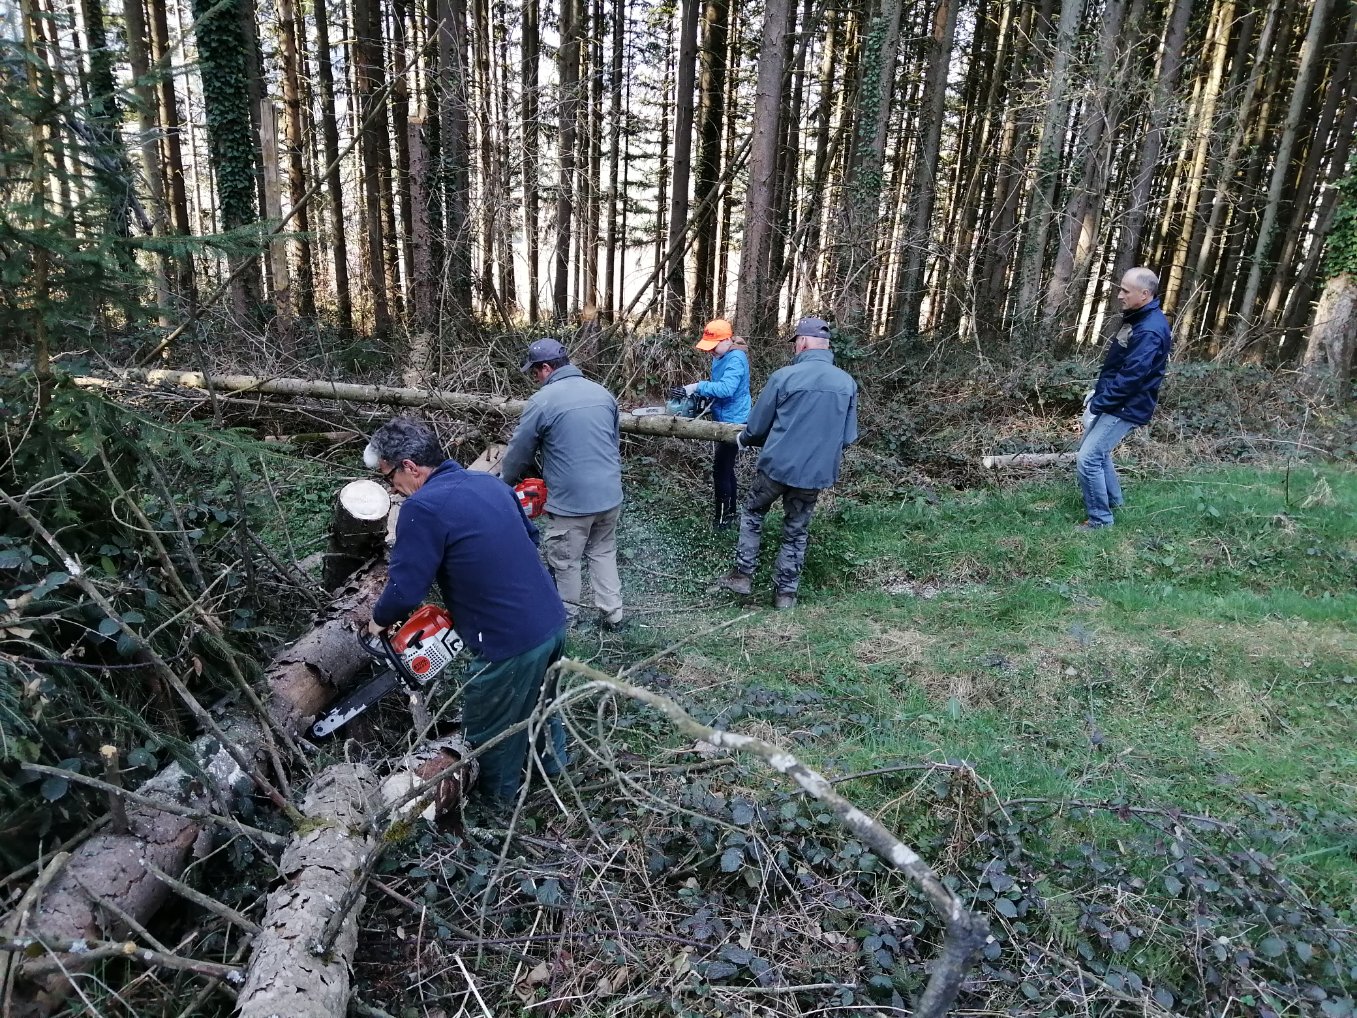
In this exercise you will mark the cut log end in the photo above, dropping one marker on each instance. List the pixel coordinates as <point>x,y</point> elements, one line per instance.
<point>364,500</point>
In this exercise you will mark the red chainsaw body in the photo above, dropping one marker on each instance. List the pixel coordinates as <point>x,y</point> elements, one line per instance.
<point>532,496</point>
<point>426,643</point>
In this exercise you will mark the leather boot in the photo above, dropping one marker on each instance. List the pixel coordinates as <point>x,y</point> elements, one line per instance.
<point>737,583</point>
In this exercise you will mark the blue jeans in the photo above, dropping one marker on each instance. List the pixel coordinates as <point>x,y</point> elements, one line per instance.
<point>1097,476</point>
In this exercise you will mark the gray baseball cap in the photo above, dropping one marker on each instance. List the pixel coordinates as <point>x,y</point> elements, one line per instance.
<point>817,328</point>
<point>541,351</point>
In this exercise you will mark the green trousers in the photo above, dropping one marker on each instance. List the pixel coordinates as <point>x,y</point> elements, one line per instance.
<point>501,694</point>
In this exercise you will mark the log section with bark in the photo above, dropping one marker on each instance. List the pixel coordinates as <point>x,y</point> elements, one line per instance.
<point>112,868</point>
<point>1027,459</point>
<point>659,425</point>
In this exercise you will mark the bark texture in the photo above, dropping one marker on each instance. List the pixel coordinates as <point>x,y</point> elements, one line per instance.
<point>301,680</point>
<point>285,977</point>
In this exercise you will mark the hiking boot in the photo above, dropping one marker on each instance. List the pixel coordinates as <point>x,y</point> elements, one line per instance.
<point>737,583</point>
<point>784,601</point>
<point>613,622</point>
<point>1090,525</point>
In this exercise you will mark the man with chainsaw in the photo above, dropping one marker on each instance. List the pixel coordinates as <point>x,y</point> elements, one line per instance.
<point>572,424</point>
<point>465,530</point>
<point>805,417</point>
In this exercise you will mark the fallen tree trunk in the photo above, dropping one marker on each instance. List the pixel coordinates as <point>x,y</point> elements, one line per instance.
<point>659,425</point>
<point>301,962</point>
<point>285,976</point>
<point>1028,459</point>
<point>112,868</point>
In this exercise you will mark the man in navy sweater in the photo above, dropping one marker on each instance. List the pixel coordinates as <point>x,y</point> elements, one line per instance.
<point>465,529</point>
<point>1126,392</point>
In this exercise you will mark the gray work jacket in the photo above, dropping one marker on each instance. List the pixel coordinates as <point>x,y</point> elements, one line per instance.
<point>805,417</point>
<point>573,423</point>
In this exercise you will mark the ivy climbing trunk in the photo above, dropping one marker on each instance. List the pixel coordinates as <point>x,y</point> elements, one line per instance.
<point>231,137</point>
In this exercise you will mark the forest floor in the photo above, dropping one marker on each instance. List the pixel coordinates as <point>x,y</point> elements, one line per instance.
<point>1132,750</point>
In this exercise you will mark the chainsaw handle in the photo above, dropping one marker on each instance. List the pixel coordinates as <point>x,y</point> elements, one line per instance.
<point>383,651</point>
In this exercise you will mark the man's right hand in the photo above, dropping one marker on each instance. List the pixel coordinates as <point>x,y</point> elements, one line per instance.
<point>374,629</point>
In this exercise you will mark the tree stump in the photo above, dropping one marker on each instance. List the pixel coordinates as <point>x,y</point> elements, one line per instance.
<point>358,531</point>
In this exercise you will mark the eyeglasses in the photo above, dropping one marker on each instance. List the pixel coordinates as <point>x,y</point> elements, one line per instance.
<point>391,473</point>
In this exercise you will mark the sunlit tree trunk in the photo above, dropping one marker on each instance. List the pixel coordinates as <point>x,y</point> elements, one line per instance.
<point>759,211</point>
<point>138,56</point>
<point>529,51</point>
<point>909,290</point>
<point>296,178</point>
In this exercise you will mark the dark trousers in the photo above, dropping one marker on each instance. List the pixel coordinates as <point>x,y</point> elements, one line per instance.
<point>723,480</point>
<point>501,694</point>
<point>798,504</point>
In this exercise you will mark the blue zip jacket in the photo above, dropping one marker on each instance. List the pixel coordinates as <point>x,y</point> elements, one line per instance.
<point>729,387</point>
<point>1133,370</point>
<point>465,529</point>
<point>805,417</point>
<point>573,424</point>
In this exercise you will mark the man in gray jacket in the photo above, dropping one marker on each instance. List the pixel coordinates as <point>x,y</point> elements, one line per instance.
<point>805,417</point>
<point>573,423</point>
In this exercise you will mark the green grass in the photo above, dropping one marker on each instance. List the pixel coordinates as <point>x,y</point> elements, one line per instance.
<point>1201,655</point>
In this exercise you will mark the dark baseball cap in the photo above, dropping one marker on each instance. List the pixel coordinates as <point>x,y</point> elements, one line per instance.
<point>816,328</point>
<point>542,351</point>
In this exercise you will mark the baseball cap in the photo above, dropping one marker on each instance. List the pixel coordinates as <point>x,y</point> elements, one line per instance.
<point>714,333</point>
<point>816,328</point>
<point>541,351</point>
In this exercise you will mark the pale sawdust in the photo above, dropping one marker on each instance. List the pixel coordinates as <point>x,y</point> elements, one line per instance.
<point>894,645</point>
<point>1241,715</point>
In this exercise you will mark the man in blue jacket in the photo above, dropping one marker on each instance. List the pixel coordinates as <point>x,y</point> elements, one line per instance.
<point>805,417</point>
<point>1126,392</point>
<point>728,390</point>
<point>572,425</point>
<point>465,529</point>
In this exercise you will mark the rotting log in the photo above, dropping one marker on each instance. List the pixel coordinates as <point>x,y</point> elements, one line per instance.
<point>659,425</point>
<point>302,679</point>
<point>1028,459</point>
<point>301,962</point>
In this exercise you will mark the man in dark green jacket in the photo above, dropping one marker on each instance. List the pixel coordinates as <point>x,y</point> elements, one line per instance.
<point>805,417</point>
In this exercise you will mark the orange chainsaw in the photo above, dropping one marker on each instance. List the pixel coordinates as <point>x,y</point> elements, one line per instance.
<point>532,496</point>
<point>415,655</point>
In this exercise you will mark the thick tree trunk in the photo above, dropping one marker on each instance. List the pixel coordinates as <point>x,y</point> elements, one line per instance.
<point>675,287</point>
<point>568,58</point>
<point>301,680</point>
<point>319,868</point>
<point>334,188</point>
<point>1327,367</point>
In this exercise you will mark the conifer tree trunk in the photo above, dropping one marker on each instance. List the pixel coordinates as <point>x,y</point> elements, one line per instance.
<point>138,56</point>
<point>712,87</point>
<point>333,185</point>
<point>611,297</point>
<point>1040,205</point>
<point>296,179</point>
<point>1077,221</point>
<point>859,208</point>
<point>173,142</point>
<point>504,235</point>
<point>910,290</point>
<point>400,125</point>
<point>231,136</point>
<point>456,156</point>
<point>369,144</point>
<point>530,50</point>
<point>675,288</point>
<point>1170,66</point>
<point>568,70</point>
<point>759,211</point>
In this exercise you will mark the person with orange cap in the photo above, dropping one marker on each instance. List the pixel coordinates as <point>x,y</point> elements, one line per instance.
<point>728,390</point>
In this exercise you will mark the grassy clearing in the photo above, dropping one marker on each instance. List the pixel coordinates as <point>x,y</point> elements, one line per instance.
<point>1200,656</point>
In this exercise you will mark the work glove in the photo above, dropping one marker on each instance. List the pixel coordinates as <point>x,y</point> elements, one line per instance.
<point>682,391</point>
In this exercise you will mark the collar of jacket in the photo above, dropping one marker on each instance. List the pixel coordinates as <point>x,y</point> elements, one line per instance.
<point>569,371</point>
<point>815,355</point>
<point>1131,317</point>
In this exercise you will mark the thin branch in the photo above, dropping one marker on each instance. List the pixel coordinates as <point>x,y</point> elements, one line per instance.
<point>95,950</point>
<point>202,900</point>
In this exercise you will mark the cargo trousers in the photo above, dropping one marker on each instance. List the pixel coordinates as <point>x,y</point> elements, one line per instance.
<point>798,505</point>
